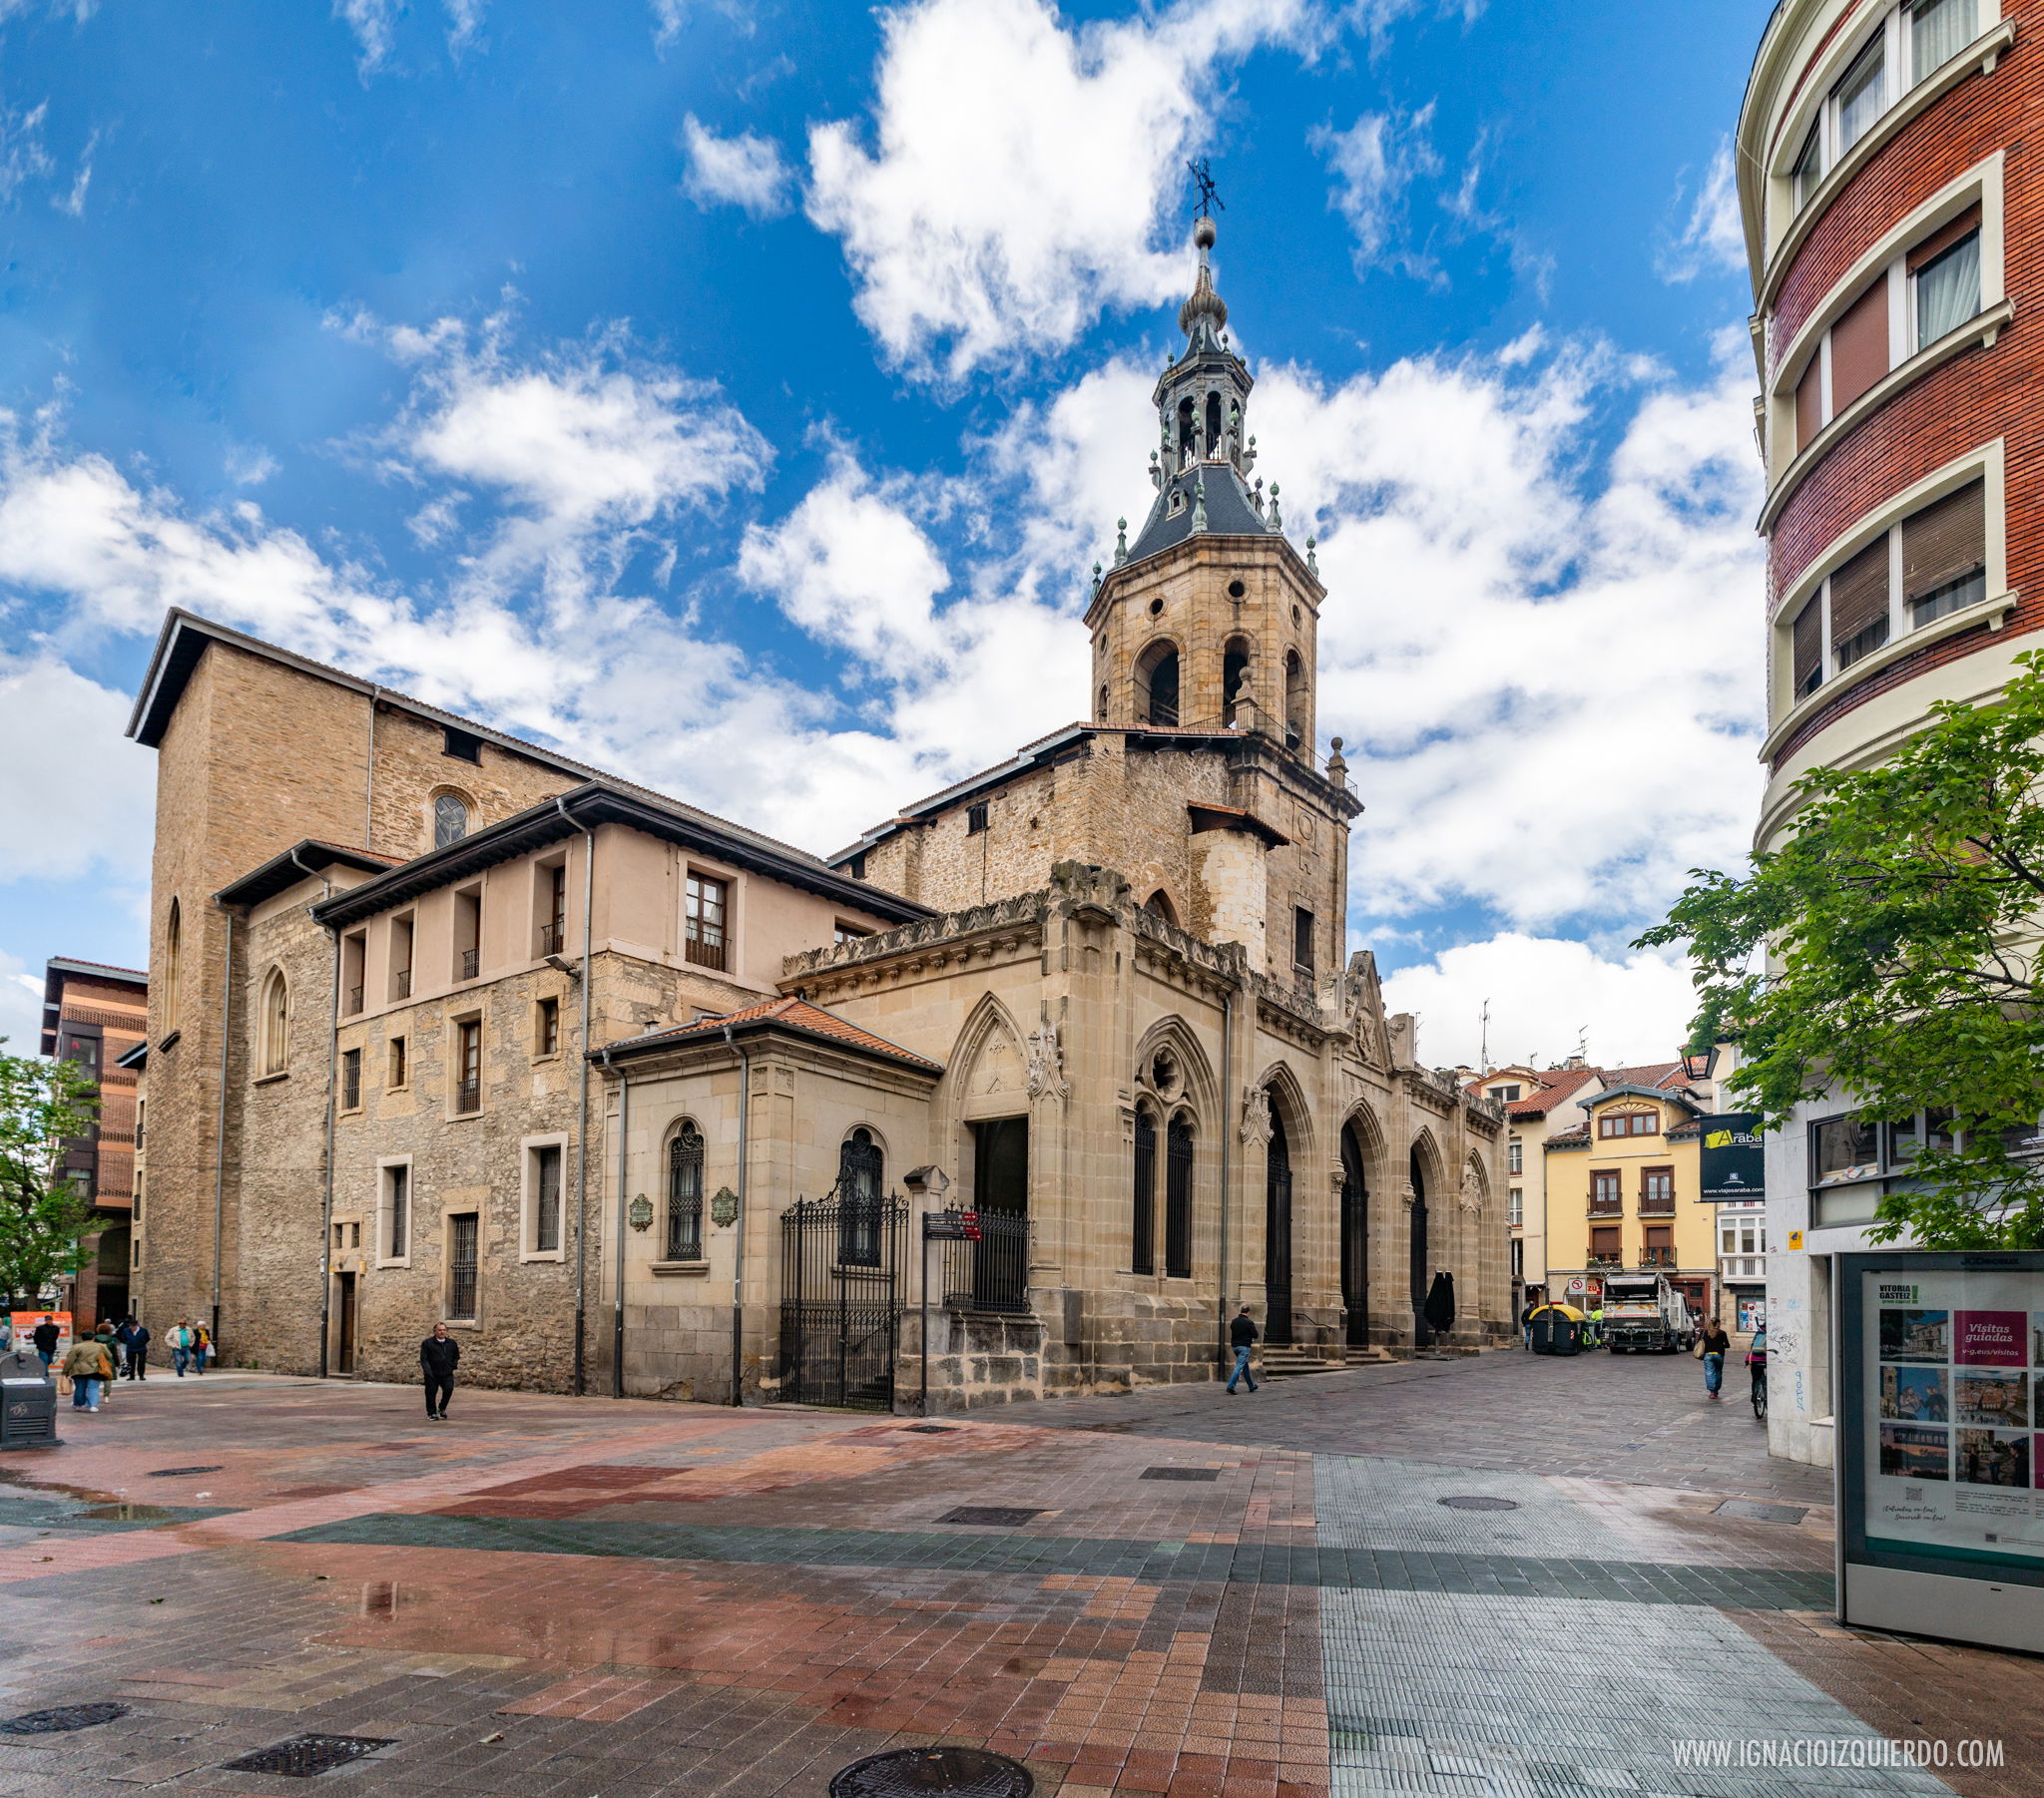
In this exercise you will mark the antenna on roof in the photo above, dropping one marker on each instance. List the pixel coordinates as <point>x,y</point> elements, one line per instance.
<point>1483,1029</point>
<point>1206,198</point>
<point>1583,1044</point>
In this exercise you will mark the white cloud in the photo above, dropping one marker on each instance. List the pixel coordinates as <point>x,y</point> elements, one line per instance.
<point>745,171</point>
<point>465,20</point>
<point>72,199</point>
<point>1373,162</point>
<point>669,16</point>
<point>1020,169</point>
<point>23,156</point>
<point>1545,994</point>
<point>1714,240</point>
<point>371,21</point>
<point>21,1007</point>
<point>78,797</point>
<point>248,465</point>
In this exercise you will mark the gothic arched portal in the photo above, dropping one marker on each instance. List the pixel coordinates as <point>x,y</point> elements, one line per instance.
<point>1278,1233</point>
<point>1355,1238</point>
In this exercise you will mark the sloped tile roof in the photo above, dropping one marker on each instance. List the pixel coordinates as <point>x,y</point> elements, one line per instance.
<point>788,1014</point>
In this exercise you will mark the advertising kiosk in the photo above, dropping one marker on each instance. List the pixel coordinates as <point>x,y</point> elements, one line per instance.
<point>1940,1413</point>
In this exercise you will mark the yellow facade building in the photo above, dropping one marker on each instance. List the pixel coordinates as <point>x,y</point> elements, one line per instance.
<point>1623,1195</point>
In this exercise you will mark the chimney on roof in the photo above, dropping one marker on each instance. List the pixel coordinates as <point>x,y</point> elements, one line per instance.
<point>1574,1064</point>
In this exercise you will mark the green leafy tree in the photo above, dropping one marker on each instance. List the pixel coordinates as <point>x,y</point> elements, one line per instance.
<point>1891,950</point>
<point>43,1215</point>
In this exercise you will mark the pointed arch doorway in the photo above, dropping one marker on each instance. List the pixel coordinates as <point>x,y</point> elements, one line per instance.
<point>1355,1238</point>
<point>1278,1233</point>
<point>1419,1252</point>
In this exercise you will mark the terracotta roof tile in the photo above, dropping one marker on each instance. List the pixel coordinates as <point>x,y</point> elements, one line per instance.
<point>793,1014</point>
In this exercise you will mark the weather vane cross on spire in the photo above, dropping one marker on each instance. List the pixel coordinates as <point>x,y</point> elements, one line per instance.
<point>1202,180</point>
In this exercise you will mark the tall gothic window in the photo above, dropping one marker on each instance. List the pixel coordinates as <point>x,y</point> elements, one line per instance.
<point>1177,1198</point>
<point>174,963</point>
<point>859,1200</point>
<point>1235,675</point>
<point>1294,700</point>
<point>684,1195</point>
<point>450,820</point>
<point>1212,424</point>
<point>276,1029</point>
<point>1142,1255</point>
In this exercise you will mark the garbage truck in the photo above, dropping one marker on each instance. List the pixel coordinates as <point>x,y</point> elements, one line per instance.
<point>1644,1311</point>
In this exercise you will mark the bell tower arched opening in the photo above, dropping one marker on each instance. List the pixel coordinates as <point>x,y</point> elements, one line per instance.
<point>1157,685</point>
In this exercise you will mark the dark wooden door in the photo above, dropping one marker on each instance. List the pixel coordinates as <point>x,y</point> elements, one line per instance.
<point>344,1347</point>
<point>1277,1234</point>
<point>1354,1239</point>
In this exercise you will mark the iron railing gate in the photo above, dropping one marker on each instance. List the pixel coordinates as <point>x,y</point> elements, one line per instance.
<point>840,1298</point>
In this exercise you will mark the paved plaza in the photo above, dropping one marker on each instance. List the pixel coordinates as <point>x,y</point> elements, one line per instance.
<point>1438,1578</point>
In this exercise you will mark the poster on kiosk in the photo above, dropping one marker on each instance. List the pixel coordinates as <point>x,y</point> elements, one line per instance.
<point>1940,1423</point>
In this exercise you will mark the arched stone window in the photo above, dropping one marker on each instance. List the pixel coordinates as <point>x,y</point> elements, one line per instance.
<point>450,819</point>
<point>859,1169</point>
<point>174,963</point>
<point>1100,714</point>
<point>273,1029</point>
<point>684,1194</point>
<point>1143,1231</point>
<point>1235,675</point>
<point>1177,1198</point>
<point>1187,428</point>
<point>1157,685</point>
<point>1294,700</point>
<point>1212,424</point>
<point>1158,905</point>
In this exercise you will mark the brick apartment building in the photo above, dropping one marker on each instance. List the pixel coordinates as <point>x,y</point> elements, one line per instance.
<point>96,1016</point>
<point>446,1026</point>
<point>1892,225</point>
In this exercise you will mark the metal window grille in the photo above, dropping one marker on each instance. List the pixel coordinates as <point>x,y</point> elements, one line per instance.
<point>684,1195</point>
<point>468,964</point>
<point>400,984</point>
<point>350,1080</point>
<point>706,942</point>
<point>546,1200</point>
<point>468,1089</point>
<point>397,1212</point>
<point>1178,1199</point>
<point>1142,1255</point>
<point>859,1200</point>
<point>461,1264</point>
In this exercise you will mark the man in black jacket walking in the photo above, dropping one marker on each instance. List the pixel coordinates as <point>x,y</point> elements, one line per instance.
<point>439,1355</point>
<point>1242,1337</point>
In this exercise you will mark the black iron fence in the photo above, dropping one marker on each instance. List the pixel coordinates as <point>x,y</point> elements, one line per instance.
<point>991,1273</point>
<point>840,1303</point>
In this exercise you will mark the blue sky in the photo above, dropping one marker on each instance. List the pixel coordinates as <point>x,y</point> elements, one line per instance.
<point>738,394</point>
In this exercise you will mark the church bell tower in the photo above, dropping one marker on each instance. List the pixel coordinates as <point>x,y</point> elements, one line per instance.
<point>1208,621</point>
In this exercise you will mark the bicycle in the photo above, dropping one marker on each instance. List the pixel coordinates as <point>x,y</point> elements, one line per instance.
<point>1760,1393</point>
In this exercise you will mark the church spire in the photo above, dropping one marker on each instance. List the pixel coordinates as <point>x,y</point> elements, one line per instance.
<point>1203,447</point>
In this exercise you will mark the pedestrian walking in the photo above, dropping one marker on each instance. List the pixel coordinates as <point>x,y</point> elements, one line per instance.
<point>1242,1337</point>
<point>181,1340</point>
<point>201,1347</point>
<point>46,1336</point>
<point>124,1339</point>
<point>439,1356</point>
<point>87,1366</point>
<point>1526,1322</point>
<point>1714,1345</point>
<point>138,1338</point>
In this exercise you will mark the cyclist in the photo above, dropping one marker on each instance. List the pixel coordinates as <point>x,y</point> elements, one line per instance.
<point>1756,1364</point>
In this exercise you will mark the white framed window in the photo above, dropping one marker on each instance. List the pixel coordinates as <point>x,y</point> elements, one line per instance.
<point>1932,560</point>
<point>1515,1208</point>
<point>396,1212</point>
<point>544,1228</point>
<point>1515,1156</point>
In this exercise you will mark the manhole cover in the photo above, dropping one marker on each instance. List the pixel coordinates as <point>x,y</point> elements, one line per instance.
<point>998,1516</point>
<point>1180,1473</point>
<point>63,1718</point>
<point>909,1772</point>
<point>167,1473</point>
<point>1472,1501</point>
<point>1756,1512</point>
<point>931,1430</point>
<point>305,1755</point>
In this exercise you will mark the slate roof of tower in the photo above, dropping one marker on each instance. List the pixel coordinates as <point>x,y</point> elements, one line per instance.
<point>1229,512</point>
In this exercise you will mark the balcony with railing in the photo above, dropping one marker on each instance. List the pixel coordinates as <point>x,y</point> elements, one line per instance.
<point>550,936</point>
<point>400,984</point>
<point>468,1097</point>
<point>1607,1208</point>
<point>706,953</point>
<point>466,960</point>
<point>1657,1258</point>
<point>354,1000</point>
<point>1610,1260</point>
<point>1657,1207</point>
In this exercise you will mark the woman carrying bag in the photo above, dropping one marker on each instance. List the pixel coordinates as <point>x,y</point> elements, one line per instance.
<point>1711,1348</point>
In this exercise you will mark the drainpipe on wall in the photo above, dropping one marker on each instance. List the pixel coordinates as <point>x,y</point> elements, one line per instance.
<point>1227,1144</point>
<point>738,1272</point>
<point>219,1127</point>
<point>618,1299</point>
<point>582,1124</point>
<point>327,1169</point>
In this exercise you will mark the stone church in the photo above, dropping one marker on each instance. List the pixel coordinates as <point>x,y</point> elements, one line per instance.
<point>1021,1094</point>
